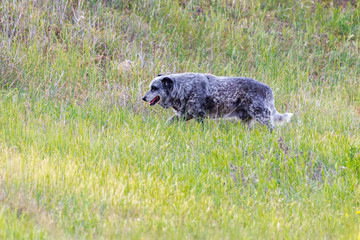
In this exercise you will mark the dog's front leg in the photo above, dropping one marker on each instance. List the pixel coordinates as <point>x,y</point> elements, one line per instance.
<point>172,119</point>
<point>200,120</point>
<point>177,118</point>
<point>200,117</point>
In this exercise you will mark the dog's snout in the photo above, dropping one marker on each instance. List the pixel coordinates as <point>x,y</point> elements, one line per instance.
<point>143,98</point>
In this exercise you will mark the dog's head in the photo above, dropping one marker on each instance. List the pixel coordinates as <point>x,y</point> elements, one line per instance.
<point>160,91</point>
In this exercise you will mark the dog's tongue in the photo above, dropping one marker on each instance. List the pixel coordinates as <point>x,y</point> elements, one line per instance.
<point>154,100</point>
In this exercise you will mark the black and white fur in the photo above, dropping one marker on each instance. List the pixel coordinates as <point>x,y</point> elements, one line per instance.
<point>197,95</point>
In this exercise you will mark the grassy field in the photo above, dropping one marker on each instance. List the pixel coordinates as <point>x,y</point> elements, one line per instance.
<point>82,157</point>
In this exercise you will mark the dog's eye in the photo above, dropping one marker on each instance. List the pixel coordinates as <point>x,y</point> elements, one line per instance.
<point>154,88</point>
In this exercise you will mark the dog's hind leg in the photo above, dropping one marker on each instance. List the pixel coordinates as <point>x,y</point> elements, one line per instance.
<point>249,123</point>
<point>243,116</point>
<point>262,114</point>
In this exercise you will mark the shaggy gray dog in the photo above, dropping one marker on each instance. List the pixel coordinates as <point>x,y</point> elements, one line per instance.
<point>197,95</point>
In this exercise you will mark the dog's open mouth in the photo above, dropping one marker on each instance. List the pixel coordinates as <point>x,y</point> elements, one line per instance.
<point>154,101</point>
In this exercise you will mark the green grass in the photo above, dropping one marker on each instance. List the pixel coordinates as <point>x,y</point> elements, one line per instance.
<point>82,157</point>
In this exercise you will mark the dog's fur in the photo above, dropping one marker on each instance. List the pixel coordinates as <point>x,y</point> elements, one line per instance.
<point>197,95</point>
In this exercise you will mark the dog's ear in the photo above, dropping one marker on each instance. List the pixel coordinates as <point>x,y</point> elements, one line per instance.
<point>168,83</point>
<point>159,75</point>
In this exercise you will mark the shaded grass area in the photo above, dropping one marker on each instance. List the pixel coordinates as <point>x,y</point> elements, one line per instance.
<point>82,157</point>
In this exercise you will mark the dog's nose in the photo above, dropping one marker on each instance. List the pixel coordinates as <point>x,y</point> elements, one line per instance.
<point>143,98</point>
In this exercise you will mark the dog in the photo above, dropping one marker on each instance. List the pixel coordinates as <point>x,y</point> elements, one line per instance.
<point>198,95</point>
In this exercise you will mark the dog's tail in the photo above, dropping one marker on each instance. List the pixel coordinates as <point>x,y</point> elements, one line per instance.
<point>280,119</point>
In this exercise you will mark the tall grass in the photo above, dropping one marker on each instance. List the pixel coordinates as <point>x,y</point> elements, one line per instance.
<point>82,157</point>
